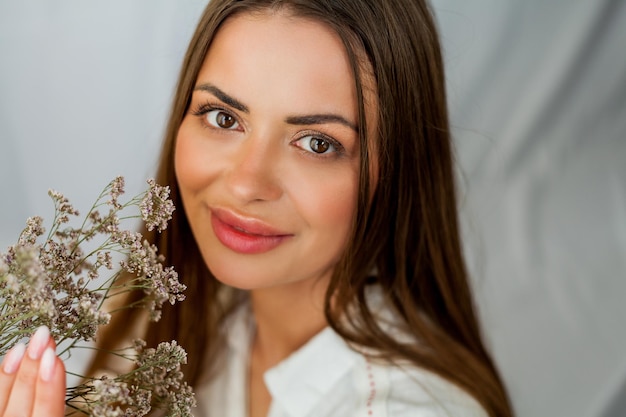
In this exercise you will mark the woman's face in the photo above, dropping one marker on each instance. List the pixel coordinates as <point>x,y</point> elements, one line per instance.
<point>267,157</point>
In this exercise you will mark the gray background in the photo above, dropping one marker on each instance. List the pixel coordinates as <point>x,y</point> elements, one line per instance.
<point>537,93</point>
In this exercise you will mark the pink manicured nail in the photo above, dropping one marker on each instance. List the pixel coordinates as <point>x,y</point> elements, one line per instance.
<point>48,362</point>
<point>13,359</point>
<point>38,343</point>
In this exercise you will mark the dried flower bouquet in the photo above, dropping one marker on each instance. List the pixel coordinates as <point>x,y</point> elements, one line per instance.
<point>57,283</point>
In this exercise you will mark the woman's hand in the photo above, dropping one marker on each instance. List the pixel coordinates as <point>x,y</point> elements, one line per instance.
<point>32,379</point>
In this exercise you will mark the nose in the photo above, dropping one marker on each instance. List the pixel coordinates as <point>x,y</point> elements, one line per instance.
<point>253,174</point>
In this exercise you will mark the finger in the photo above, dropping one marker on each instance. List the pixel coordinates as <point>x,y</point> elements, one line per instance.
<point>52,344</point>
<point>50,391</point>
<point>23,392</point>
<point>10,365</point>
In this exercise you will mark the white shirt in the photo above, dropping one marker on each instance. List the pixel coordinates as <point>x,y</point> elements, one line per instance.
<point>325,378</point>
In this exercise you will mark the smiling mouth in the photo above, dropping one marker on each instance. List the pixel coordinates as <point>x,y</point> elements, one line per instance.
<point>245,236</point>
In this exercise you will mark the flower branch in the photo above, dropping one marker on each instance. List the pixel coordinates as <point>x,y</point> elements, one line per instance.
<point>56,281</point>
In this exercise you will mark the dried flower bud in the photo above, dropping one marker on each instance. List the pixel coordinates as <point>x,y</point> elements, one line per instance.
<point>34,228</point>
<point>62,204</point>
<point>156,207</point>
<point>57,283</point>
<point>4,268</point>
<point>116,190</point>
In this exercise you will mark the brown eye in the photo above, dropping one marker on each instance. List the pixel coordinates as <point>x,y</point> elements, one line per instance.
<point>222,120</point>
<point>225,120</point>
<point>319,145</point>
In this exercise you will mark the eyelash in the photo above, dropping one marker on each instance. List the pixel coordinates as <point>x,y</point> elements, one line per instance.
<point>339,148</point>
<point>203,109</point>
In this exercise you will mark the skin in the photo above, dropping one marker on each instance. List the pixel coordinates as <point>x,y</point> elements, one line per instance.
<point>247,146</point>
<point>261,168</point>
<point>36,388</point>
<point>271,140</point>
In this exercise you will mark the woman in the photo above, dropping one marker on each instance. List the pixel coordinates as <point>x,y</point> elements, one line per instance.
<point>309,148</point>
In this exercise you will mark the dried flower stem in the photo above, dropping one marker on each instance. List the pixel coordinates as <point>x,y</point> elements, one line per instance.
<point>58,283</point>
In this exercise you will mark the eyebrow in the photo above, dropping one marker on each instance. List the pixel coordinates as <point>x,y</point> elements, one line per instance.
<point>318,119</point>
<point>312,119</point>
<point>231,101</point>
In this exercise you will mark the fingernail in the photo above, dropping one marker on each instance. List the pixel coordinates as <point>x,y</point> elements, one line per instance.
<point>38,343</point>
<point>48,362</point>
<point>13,359</point>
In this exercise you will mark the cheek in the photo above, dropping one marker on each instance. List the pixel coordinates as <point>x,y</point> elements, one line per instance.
<point>329,205</point>
<point>190,165</point>
<point>182,152</point>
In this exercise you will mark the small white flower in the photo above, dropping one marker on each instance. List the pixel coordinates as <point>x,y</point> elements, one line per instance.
<point>156,207</point>
<point>57,283</point>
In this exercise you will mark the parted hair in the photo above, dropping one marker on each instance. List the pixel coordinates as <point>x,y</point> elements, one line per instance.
<point>405,235</point>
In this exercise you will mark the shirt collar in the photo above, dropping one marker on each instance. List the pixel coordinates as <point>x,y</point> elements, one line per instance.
<point>302,380</point>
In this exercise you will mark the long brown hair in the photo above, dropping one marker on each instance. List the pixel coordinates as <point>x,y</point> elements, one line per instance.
<point>406,228</point>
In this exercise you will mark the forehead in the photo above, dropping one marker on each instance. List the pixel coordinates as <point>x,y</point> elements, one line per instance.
<point>277,55</point>
<point>270,30</point>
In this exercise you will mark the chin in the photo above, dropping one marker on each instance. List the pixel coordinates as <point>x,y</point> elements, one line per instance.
<point>240,277</point>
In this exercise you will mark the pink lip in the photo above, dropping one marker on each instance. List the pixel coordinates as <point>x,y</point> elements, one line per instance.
<point>245,235</point>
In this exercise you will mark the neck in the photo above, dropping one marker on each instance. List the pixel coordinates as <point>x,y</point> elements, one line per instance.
<point>286,318</point>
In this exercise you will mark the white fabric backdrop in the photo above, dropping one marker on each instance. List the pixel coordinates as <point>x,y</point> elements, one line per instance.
<point>537,93</point>
<point>538,98</point>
